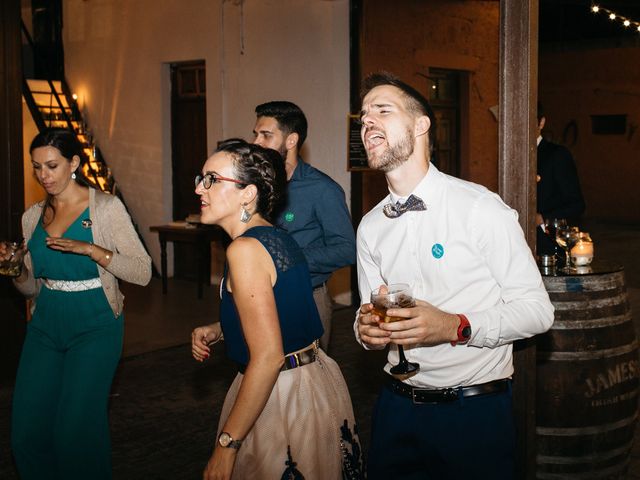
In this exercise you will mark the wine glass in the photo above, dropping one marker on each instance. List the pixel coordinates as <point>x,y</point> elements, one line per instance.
<point>567,237</point>
<point>395,296</point>
<point>551,227</point>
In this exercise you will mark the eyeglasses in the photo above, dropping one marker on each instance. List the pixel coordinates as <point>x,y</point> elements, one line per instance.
<point>211,178</point>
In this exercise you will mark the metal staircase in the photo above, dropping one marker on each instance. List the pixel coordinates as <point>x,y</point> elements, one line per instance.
<point>51,107</point>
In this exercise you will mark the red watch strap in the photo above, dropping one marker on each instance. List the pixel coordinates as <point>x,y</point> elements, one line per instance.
<point>464,323</point>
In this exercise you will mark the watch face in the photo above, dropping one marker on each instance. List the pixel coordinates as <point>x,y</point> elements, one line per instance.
<point>466,332</point>
<point>225,439</point>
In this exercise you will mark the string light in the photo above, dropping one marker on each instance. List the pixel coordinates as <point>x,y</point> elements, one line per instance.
<point>627,22</point>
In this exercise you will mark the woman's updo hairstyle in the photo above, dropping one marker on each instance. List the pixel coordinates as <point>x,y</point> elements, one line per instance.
<point>66,142</point>
<point>262,167</point>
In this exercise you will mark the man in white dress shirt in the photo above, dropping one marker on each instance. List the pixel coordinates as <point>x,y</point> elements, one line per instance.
<point>477,290</point>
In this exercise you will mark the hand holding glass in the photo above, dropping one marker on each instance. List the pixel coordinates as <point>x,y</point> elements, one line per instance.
<point>11,255</point>
<point>395,296</point>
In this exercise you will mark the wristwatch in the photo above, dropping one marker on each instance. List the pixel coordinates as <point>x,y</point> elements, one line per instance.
<point>464,330</point>
<point>225,440</point>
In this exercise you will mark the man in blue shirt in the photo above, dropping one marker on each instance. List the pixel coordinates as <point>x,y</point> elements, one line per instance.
<point>315,213</point>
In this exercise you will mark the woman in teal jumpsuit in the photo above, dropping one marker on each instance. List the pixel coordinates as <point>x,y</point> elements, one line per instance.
<point>79,242</point>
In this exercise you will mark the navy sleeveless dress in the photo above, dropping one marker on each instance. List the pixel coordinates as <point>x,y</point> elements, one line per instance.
<point>299,320</point>
<point>307,428</point>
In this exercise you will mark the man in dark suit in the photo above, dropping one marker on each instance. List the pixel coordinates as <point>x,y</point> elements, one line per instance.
<point>559,193</point>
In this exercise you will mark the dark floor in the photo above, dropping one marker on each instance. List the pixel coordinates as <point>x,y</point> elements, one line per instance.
<point>165,406</point>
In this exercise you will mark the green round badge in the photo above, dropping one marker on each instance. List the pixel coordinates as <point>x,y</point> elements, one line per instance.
<point>289,216</point>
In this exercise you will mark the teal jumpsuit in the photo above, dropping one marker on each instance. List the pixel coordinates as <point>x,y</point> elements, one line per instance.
<point>60,427</point>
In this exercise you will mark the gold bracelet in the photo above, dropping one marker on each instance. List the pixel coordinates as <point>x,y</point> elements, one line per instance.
<point>91,251</point>
<point>107,256</point>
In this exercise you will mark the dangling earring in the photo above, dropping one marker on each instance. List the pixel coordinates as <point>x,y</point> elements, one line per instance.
<point>245,215</point>
<point>73,176</point>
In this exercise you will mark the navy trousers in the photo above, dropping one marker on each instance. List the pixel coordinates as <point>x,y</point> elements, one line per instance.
<point>471,437</point>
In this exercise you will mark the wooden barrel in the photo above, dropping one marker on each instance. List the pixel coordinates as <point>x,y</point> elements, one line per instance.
<point>587,379</point>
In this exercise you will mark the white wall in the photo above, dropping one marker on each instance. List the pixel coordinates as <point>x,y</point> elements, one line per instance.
<point>117,54</point>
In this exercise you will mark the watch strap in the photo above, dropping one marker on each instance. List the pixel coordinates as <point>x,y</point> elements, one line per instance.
<point>235,444</point>
<point>464,330</point>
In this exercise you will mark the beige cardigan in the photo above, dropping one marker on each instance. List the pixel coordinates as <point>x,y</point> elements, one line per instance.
<point>112,229</point>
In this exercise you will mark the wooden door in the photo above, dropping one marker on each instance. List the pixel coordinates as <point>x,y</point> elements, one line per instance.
<point>444,96</point>
<point>189,149</point>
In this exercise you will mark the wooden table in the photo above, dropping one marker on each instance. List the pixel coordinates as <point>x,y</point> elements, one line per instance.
<point>200,236</point>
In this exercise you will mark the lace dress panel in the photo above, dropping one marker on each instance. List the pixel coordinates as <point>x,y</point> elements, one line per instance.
<point>279,247</point>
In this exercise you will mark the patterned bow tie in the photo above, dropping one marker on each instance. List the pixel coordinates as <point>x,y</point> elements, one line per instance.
<point>412,203</point>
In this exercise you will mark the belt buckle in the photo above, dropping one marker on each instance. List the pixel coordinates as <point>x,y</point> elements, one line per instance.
<point>294,360</point>
<point>446,395</point>
<point>414,398</point>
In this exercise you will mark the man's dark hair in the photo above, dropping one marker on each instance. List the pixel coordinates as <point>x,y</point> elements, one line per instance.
<point>416,102</point>
<point>289,116</point>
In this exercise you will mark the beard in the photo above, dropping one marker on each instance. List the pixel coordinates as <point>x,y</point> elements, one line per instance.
<point>282,150</point>
<point>394,155</point>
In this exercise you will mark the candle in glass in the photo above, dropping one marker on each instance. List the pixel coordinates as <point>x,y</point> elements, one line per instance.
<point>582,251</point>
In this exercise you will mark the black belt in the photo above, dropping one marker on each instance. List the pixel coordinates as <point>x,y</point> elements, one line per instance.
<point>444,395</point>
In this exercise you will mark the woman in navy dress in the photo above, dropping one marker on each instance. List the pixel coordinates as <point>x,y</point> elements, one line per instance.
<point>288,413</point>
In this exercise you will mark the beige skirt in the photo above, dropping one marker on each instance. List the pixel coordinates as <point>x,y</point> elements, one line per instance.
<point>306,430</point>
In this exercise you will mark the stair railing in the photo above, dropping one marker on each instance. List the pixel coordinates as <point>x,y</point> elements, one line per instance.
<point>33,107</point>
<point>54,91</point>
<point>37,114</point>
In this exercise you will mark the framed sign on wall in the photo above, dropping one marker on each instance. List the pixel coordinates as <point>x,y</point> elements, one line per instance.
<point>356,155</point>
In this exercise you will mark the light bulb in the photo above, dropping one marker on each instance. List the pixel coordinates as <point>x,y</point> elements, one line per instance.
<point>612,16</point>
<point>626,23</point>
<point>595,9</point>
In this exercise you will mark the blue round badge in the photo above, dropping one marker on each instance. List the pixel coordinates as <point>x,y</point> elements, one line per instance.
<point>437,250</point>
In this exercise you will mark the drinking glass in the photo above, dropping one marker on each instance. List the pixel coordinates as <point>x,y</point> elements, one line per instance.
<point>397,295</point>
<point>552,224</point>
<point>551,227</point>
<point>567,237</point>
<point>11,254</point>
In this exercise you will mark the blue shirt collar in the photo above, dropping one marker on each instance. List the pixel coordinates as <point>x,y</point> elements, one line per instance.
<point>300,171</point>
